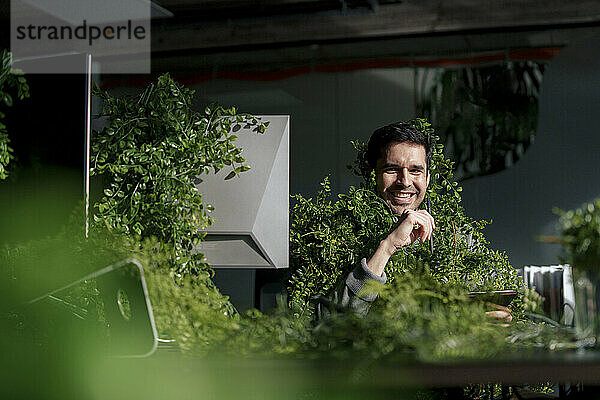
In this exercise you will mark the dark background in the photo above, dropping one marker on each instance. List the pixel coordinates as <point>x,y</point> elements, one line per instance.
<point>45,183</point>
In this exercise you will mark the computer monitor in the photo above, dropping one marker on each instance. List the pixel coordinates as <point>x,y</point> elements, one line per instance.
<point>124,304</point>
<point>252,209</point>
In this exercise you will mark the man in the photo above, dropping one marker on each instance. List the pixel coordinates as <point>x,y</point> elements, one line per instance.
<point>400,155</point>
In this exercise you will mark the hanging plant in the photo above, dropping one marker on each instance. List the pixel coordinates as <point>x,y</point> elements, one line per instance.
<point>486,117</point>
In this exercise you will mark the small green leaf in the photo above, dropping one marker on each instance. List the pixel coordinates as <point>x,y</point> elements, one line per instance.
<point>230,175</point>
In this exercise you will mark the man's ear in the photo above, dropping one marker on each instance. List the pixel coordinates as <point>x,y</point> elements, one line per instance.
<point>428,176</point>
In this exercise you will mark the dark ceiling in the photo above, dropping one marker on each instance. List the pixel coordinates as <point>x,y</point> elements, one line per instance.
<point>266,34</point>
<point>215,10</point>
<point>202,35</point>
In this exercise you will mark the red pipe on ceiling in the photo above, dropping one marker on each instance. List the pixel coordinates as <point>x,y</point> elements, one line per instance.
<point>534,54</point>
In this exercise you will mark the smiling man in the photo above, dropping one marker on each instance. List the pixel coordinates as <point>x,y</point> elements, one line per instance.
<point>400,155</point>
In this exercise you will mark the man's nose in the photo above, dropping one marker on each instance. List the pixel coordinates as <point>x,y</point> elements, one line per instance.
<point>403,177</point>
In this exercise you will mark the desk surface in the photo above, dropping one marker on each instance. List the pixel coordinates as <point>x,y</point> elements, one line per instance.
<point>560,367</point>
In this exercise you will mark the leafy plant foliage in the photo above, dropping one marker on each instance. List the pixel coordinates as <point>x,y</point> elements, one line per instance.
<point>8,80</point>
<point>154,150</point>
<point>328,238</point>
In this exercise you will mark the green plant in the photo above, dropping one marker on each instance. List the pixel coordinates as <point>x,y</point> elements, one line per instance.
<point>150,157</point>
<point>187,307</point>
<point>8,80</point>
<point>580,236</point>
<point>328,238</point>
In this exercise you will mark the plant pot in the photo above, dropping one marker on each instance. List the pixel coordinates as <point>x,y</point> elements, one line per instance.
<point>587,306</point>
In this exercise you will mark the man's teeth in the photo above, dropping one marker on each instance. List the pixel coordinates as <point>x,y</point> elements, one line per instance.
<point>402,195</point>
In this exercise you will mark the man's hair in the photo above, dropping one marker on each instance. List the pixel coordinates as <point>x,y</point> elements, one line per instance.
<point>398,132</point>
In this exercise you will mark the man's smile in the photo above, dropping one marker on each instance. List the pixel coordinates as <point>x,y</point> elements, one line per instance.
<point>403,196</point>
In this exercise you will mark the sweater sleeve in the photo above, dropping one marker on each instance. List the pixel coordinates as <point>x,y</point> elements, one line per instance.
<point>346,295</point>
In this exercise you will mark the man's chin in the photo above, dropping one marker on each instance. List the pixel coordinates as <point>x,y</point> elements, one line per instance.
<point>400,208</point>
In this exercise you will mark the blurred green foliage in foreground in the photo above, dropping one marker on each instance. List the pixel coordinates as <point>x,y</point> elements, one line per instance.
<point>417,318</point>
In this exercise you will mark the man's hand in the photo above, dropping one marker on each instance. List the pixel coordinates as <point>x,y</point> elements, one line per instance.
<point>501,314</point>
<point>413,225</point>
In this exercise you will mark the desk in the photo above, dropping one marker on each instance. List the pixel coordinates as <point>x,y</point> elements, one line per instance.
<point>559,367</point>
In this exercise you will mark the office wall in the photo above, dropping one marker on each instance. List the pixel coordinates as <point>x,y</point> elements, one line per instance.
<point>561,169</point>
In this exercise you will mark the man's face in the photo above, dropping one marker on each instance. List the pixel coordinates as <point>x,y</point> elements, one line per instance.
<point>402,176</point>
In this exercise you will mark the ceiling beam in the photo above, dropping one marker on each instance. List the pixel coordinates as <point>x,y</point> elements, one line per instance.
<point>411,17</point>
